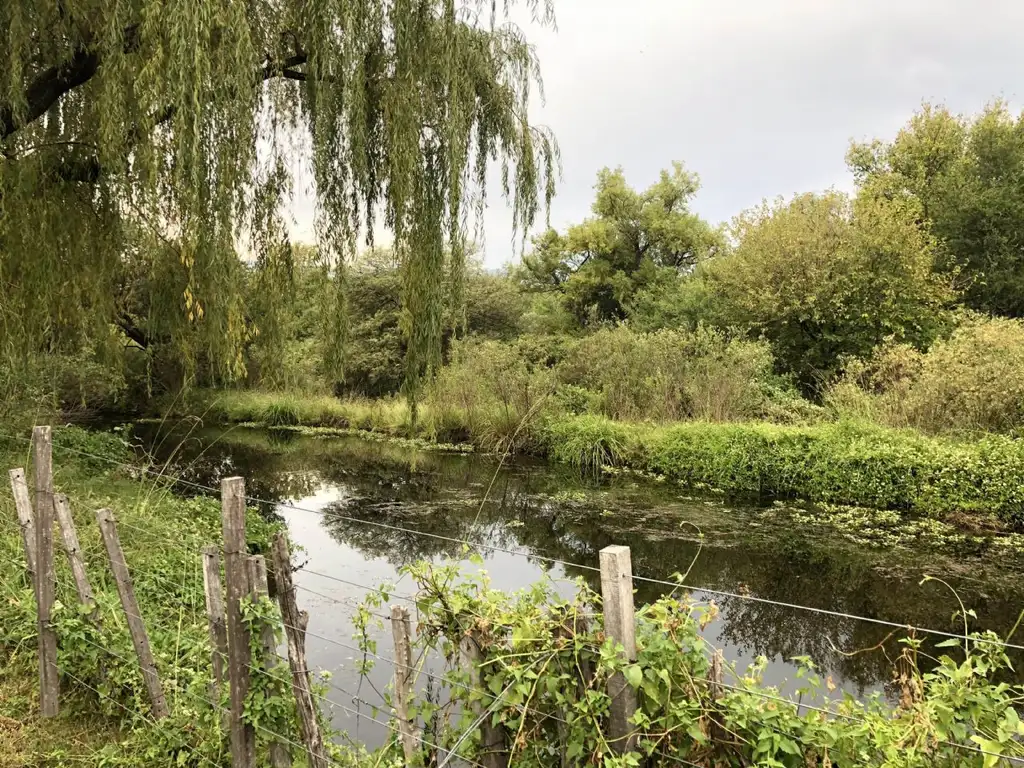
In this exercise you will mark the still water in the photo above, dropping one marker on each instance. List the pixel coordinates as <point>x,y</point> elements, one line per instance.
<point>538,512</point>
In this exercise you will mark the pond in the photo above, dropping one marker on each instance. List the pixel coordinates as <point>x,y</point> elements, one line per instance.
<point>360,509</point>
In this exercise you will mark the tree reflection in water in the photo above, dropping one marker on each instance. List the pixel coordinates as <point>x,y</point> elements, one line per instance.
<point>542,511</point>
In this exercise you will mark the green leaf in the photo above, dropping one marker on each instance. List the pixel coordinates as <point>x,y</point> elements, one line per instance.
<point>634,675</point>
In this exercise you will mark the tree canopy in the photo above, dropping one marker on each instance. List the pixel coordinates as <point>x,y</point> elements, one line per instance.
<point>182,121</point>
<point>824,277</point>
<point>633,240</point>
<point>968,175</point>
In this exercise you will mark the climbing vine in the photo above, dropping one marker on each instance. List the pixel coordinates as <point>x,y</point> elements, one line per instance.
<point>547,664</point>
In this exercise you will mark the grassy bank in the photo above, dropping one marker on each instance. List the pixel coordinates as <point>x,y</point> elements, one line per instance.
<point>843,463</point>
<point>838,462</point>
<point>161,535</point>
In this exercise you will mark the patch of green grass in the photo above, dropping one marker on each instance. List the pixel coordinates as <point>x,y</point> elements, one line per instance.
<point>162,536</point>
<point>278,409</point>
<point>77,736</point>
<point>842,463</point>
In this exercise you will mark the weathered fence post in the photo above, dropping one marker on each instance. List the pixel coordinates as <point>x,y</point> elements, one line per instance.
<point>215,614</point>
<point>295,631</point>
<point>493,748</point>
<point>74,551</point>
<point>243,736</point>
<point>258,587</point>
<point>136,627</point>
<point>401,631</point>
<point>716,675</point>
<point>26,520</point>
<point>620,625</point>
<point>42,460</point>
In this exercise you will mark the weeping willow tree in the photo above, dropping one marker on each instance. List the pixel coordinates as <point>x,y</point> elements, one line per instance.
<point>184,118</point>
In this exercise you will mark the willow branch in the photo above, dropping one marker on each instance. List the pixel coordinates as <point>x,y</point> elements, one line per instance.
<point>51,84</point>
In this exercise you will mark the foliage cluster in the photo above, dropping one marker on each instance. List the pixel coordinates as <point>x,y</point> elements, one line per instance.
<point>146,146</point>
<point>964,173</point>
<point>843,463</point>
<point>635,240</point>
<point>972,381</point>
<point>824,277</point>
<point>548,661</point>
<point>670,375</point>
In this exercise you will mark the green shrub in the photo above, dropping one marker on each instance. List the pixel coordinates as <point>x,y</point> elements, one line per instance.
<point>973,381</point>
<point>670,375</point>
<point>588,442</point>
<point>491,394</point>
<point>281,413</point>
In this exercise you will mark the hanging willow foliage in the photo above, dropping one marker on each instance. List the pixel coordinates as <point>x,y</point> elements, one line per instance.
<point>183,117</point>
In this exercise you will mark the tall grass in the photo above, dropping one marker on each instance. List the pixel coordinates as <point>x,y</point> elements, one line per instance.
<point>276,409</point>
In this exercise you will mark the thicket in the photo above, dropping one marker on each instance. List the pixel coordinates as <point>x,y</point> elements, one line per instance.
<point>972,381</point>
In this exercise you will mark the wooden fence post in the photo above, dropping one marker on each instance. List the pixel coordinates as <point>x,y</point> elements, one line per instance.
<point>137,628</point>
<point>258,588</point>
<point>402,633</point>
<point>215,613</point>
<point>716,676</point>
<point>243,735</point>
<point>620,625</point>
<point>74,551</point>
<point>295,631</point>
<point>26,520</point>
<point>493,747</point>
<point>42,460</point>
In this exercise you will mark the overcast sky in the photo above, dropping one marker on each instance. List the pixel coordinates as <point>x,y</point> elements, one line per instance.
<point>759,97</point>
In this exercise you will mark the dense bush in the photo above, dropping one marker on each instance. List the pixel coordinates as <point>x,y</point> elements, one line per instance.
<point>490,393</point>
<point>823,277</point>
<point>669,375</point>
<point>973,381</point>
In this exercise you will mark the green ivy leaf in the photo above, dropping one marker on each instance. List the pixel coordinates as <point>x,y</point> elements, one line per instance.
<point>634,675</point>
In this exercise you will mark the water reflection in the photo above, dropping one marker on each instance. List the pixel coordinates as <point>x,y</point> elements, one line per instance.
<point>364,491</point>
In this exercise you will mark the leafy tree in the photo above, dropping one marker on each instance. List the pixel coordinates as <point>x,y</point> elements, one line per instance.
<point>634,239</point>
<point>491,306</point>
<point>968,174</point>
<point>823,277</point>
<point>181,117</point>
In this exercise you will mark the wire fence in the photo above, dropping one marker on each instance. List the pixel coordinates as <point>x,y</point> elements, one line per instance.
<point>565,564</point>
<point>172,589</point>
